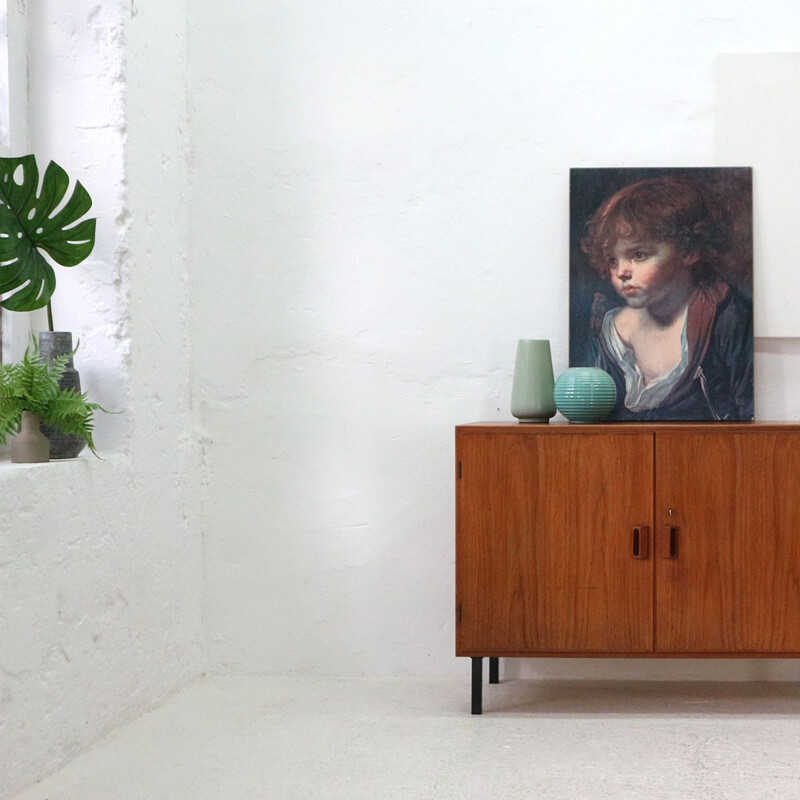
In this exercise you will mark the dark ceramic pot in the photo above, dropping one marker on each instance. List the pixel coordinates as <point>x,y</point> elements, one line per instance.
<point>52,344</point>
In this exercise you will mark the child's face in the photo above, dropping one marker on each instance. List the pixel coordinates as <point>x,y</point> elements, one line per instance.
<point>645,272</point>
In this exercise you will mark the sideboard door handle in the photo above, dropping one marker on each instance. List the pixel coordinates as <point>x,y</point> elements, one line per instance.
<point>641,541</point>
<point>671,551</point>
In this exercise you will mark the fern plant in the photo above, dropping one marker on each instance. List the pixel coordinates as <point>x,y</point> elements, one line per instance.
<point>32,385</point>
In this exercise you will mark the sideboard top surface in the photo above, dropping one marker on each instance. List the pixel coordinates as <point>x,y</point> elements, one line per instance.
<point>559,427</point>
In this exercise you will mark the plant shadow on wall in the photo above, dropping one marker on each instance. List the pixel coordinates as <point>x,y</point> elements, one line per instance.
<point>40,222</point>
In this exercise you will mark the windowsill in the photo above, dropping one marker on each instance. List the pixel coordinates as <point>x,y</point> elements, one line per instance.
<point>82,462</point>
<point>7,465</point>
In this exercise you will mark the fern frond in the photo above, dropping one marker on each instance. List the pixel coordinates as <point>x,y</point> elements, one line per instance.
<point>65,405</point>
<point>59,364</point>
<point>10,414</point>
<point>71,412</point>
<point>33,381</point>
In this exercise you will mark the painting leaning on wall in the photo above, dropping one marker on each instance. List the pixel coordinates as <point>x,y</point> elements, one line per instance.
<point>661,288</point>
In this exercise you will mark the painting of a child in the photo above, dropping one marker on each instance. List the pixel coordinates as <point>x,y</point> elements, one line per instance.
<point>661,289</point>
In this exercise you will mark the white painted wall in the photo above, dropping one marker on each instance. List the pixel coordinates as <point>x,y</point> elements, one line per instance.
<point>100,561</point>
<point>379,211</point>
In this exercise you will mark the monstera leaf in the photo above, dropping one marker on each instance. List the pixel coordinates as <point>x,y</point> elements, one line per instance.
<point>33,222</point>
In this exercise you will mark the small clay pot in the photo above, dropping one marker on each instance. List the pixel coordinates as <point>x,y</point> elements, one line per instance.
<point>30,445</point>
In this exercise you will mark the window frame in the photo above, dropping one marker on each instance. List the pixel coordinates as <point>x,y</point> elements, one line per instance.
<point>15,328</point>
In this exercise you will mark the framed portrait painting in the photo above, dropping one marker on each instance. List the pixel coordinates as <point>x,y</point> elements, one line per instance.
<point>661,288</point>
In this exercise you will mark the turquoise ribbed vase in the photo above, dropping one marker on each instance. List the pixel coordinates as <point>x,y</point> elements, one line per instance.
<point>585,394</point>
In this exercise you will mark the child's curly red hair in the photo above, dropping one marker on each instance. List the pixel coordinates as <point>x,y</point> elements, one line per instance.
<point>665,209</point>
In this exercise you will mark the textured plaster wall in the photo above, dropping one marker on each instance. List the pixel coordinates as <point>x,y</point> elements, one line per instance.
<point>100,561</point>
<point>379,210</point>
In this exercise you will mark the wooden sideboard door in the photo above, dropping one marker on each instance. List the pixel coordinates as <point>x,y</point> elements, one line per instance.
<point>728,558</point>
<point>545,545</point>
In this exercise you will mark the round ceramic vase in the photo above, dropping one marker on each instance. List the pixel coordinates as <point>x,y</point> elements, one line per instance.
<point>585,394</point>
<point>532,390</point>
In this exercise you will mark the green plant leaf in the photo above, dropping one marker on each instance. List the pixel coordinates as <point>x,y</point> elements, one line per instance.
<point>33,222</point>
<point>70,412</point>
<point>10,415</point>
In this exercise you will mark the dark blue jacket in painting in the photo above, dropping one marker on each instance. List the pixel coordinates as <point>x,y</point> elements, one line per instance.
<point>718,381</point>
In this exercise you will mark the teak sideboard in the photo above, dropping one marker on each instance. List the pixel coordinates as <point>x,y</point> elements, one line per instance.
<point>626,539</point>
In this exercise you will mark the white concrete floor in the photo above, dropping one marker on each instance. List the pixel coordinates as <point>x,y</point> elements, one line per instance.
<point>276,738</point>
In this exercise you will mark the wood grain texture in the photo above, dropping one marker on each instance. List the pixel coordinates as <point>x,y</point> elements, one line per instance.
<point>544,549</point>
<point>735,584</point>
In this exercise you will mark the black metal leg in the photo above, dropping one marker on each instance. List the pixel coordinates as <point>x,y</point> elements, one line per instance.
<point>494,670</point>
<point>477,685</point>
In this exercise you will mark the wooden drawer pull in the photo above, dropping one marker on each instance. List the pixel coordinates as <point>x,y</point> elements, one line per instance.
<point>672,542</point>
<point>641,541</point>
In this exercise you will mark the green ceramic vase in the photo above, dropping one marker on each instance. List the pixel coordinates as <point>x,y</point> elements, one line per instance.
<point>585,394</point>
<point>532,390</point>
